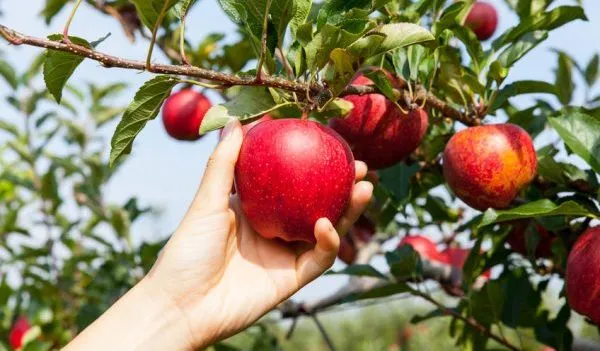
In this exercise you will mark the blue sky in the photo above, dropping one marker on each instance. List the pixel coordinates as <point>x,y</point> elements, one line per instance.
<point>165,173</point>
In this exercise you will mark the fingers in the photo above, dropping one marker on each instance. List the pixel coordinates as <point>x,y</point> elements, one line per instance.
<point>361,195</point>
<point>215,188</point>
<point>360,170</point>
<point>313,263</point>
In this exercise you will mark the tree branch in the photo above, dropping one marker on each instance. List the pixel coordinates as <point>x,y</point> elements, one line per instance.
<point>421,95</point>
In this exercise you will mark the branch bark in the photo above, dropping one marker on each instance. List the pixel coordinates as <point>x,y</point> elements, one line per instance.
<point>421,95</point>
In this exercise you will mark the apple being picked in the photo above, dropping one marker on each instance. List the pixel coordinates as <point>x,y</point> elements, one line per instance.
<point>183,113</point>
<point>290,173</point>
<point>583,275</point>
<point>378,132</point>
<point>482,19</point>
<point>487,166</point>
<point>18,331</point>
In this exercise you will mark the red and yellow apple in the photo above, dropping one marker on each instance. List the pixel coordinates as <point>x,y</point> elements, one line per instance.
<point>583,275</point>
<point>18,331</point>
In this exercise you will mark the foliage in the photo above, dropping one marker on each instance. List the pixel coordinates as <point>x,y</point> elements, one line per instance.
<point>70,252</point>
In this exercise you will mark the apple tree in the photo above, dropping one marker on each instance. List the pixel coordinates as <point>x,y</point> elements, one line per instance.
<point>417,90</point>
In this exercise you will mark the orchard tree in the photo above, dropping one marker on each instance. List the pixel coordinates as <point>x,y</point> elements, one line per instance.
<point>412,88</point>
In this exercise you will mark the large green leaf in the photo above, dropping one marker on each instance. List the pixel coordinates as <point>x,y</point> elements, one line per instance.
<point>522,87</point>
<point>564,78</point>
<point>519,48</point>
<point>330,37</point>
<point>390,37</point>
<point>52,8</point>
<point>581,133</point>
<point>250,102</point>
<point>59,66</point>
<point>542,21</point>
<point>144,107</point>
<point>360,270</point>
<point>540,208</point>
<point>149,10</point>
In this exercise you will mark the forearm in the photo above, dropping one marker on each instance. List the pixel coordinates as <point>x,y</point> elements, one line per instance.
<point>143,319</point>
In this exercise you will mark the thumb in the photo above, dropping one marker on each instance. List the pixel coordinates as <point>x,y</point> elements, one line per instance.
<point>215,188</point>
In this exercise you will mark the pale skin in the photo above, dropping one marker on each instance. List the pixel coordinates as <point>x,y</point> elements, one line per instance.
<point>216,276</point>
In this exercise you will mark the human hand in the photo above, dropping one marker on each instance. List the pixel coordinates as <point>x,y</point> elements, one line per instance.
<point>222,275</point>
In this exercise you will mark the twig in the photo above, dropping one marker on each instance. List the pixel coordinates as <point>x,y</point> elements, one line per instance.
<point>314,89</point>
<point>263,42</point>
<point>323,332</point>
<point>184,59</point>
<point>469,321</point>
<point>159,20</point>
<point>69,20</point>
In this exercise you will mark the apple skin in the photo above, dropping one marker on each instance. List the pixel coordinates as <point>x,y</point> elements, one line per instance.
<point>583,275</point>
<point>518,242</point>
<point>290,173</point>
<point>360,234</point>
<point>424,247</point>
<point>487,166</point>
<point>482,19</point>
<point>19,329</point>
<point>183,113</point>
<point>378,132</point>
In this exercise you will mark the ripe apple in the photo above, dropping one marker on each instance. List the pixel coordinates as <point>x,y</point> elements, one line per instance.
<point>18,331</point>
<point>518,242</point>
<point>360,234</point>
<point>583,270</point>
<point>482,19</point>
<point>378,132</point>
<point>290,173</point>
<point>424,247</point>
<point>183,112</point>
<point>487,166</point>
<point>458,256</point>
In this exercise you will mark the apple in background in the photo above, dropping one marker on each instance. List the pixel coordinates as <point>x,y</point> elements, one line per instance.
<point>360,234</point>
<point>583,275</point>
<point>426,248</point>
<point>183,113</point>
<point>458,256</point>
<point>290,173</point>
<point>487,166</point>
<point>482,19</point>
<point>378,132</point>
<point>518,242</point>
<point>18,331</point>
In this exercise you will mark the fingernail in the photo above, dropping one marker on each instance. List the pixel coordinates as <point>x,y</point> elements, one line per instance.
<point>229,127</point>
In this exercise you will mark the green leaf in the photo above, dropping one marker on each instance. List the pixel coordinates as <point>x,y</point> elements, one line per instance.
<point>581,133</point>
<point>144,107</point>
<point>390,37</point>
<point>9,127</point>
<point>149,10</point>
<point>342,67</point>
<point>250,103</point>
<point>183,6</point>
<point>324,42</point>
<point>518,49</point>
<point>383,83</point>
<point>59,66</point>
<point>591,71</point>
<point>378,292</point>
<point>52,8</point>
<point>543,21</point>
<point>338,108</point>
<point>404,262</point>
<point>9,74</point>
<point>359,270</point>
<point>522,87</point>
<point>564,78</point>
<point>540,208</point>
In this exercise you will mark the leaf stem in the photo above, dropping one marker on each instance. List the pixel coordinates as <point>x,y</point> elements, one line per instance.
<point>263,42</point>
<point>69,20</point>
<point>159,20</point>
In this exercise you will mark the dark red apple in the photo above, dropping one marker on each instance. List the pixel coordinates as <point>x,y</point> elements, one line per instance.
<point>583,275</point>
<point>360,234</point>
<point>482,19</point>
<point>183,113</point>
<point>487,166</point>
<point>18,331</point>
<point>290,173</point>
<point>518,242</point>
<point>378,132</point>
<point>424,247</point>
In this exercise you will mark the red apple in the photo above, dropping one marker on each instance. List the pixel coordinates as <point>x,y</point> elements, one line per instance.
<point>487,166</point>
<point>482,19</point>
<point>183,113</point>
<point>378,132</point>
<point>583,275</point>
<point>18,331</point>
<point>424,247</point>
<point>518,242</point>
<point>360,234</point>
<point>290,173</point>
<point>457,257</point>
